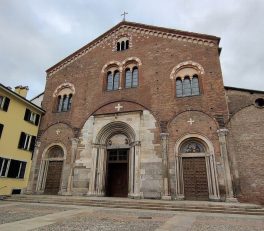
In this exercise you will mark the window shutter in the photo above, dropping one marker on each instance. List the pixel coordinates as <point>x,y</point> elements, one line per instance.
<point>27,115</point>
<point>37,119</point>
<point>22,170</point>
<point>6,103</point>
<point>22,139</point>
<point>32,144</point>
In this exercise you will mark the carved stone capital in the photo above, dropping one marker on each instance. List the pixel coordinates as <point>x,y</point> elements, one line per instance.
<point>222,132</point>
<point>135,143</point>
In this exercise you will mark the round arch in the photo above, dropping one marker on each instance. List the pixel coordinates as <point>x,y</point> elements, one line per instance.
<point>52,161</point>
<point>205,155</point>
<point>182,65</point>
<point>113,129</point>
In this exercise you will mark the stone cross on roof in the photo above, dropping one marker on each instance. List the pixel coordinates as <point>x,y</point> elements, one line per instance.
<point>124,15</point>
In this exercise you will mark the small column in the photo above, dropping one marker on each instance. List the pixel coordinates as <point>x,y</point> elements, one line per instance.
<point>179,194</point>
<point>101,171</point>
<point>29,189</point>
<point>136,170</point>
<point>73,156</point>
<point>164,143</point>
<point>228,181</point>
<point>92,181</point>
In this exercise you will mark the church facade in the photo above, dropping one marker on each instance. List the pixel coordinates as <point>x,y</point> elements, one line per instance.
<point>142,112</point>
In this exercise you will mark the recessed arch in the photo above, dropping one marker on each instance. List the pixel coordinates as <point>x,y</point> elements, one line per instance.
<point>111,64</point>
<point>114,128</point>
<point>51,169</point>
<point>68,85</point>
<point>186,64</point>
<point>135,59</point>
<point>205,157</point>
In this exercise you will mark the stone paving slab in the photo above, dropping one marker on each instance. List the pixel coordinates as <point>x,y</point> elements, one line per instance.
<point>53,217</point>
<point>21,211</point>
<point>211,223</point>
<point>119,220</point>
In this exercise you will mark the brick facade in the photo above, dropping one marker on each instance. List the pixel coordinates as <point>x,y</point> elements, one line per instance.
<point>147,111</point>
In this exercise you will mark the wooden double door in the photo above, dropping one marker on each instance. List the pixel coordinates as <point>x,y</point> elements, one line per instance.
<point>117,173</point>
<point>195,178</point>
<point>53,178</point>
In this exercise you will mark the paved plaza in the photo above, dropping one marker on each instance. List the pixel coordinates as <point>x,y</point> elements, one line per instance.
<point>42,217</point>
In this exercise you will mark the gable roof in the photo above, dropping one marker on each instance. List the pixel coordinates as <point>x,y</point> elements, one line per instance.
<point>140,28</point>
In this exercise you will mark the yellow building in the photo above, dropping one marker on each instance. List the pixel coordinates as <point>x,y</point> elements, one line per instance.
<point>19,123</point>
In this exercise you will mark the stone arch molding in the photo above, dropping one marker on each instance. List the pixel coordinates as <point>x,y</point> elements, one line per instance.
<point>209,155</point>
<point>182,65</point>
<point>114,128</point>
<point>121,65</point>
<point>44,165</point>
<point>62,86</point>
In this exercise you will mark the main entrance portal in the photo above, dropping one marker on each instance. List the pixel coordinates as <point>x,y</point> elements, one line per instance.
<point>117,173</point>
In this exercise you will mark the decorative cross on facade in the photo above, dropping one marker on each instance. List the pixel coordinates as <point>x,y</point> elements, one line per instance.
<point>118,107</point>
<point>124,15</point>
<point>58,132</point>
<point>191,121</point>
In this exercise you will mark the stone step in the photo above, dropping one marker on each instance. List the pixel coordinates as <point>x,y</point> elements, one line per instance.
<point>142,204</point>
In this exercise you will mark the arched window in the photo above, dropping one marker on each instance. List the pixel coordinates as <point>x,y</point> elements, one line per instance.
<point>64,99</point>
<point>116,80</point>
<point>122,44</point>
<point>135,77</point>
<point>118,46</point>
<point>65,103</point>
<point>195,85</point>
<point>109,81</point>
<point>186,86</point>
<point>128,76</point>
<point>69,102</point>
<point>178,87</point>
<point>59,103</point>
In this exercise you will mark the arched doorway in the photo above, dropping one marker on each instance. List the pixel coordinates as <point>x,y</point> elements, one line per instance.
<point>49,181</point>
<point>117,169</point>
<point>115,158</point>
<point>196,177</point>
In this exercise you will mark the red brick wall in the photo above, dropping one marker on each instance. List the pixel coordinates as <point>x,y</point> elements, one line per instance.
<point>246,146</point>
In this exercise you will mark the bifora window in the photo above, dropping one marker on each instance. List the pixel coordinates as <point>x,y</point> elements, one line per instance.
<point>131,77</point>
<point>187,86</point>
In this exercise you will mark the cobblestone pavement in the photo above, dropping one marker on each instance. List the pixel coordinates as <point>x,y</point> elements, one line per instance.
<point>44,217</point>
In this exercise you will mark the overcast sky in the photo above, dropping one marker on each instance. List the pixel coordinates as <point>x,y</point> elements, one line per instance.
<point>36,34</point>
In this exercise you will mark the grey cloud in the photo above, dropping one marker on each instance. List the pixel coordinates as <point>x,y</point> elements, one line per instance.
<point>37,34</point>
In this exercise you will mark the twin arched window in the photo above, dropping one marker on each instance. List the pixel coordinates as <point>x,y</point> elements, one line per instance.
<point>64,102</point>
<point>187,86</point>
<point>116,80</point>
<point>131,77</point>
<point>113,79</point>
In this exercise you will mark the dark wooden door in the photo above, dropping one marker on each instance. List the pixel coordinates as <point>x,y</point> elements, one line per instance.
<point>195,178</point>
<point>117,173</point>
<point>53,177</point>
